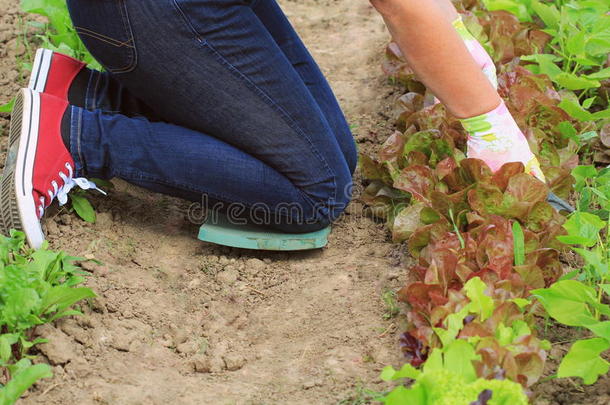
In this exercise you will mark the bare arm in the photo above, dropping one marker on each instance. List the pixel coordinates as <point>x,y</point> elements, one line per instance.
<point>437,54</point>
<point>443,61</point>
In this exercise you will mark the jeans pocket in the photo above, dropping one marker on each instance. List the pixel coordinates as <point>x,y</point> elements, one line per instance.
<point>105,29</point>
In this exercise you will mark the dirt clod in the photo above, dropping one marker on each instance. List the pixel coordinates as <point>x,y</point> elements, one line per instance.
<point>60,348</point>
<point>104,220</point>
<point>65,219</point>
<point>228,276</point>
<point>206,364</point>
<point>255,266</point>
<point>234,361</point>
<point>187,348</point>
<point>52,228</point>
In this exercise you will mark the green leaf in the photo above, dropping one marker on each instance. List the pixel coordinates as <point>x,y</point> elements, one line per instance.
<point>521,302</point>
<point>583,229</point>
<point>402,395</point>
<point>576,110</point>
<point>584,361</point>
<point>595,259</point>
<point>434,362</point>
<point>504,335</point>
<point>582,174</point>
<point>547,13</point>
<point>601,75</point>
<point>20,303</point>
<point>600,115</point>
<point>567,130</point>
<point>569,302</point>
<point>407,371</point>
<point>482,303</point>
<point>6,341</point>
<point>575,44</point>
<point>8,107</point>
<point>459,356</point>
<point>63,314</point>
<point>589,102</point>
<point>601,329</point>
<point>546,63</point>
<point>519,244</point>
<point>61,297</point>
<point>507,334</point>
<point>515,7</point>
<point>21,381</point>
<point>571,81</point>
<point>388,373</point>
<point>570,275</point>
<point>454,324</point>
<point>520,328</point>
<point>83,208</point>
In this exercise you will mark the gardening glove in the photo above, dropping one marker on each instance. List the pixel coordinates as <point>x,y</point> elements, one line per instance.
<point>477,51</point>
<point>496,139</point>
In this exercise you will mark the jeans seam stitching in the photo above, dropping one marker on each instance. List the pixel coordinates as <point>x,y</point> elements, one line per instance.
<point>76,135</point>
<point>187,21</point>
<point>131,65</point>
<point>130,43</point>
<point>95,92</point>
<point>79,137</point>
<point>104,38</point>
<point>127,26</point>
<point>87,100</point>
<point>287,118</point>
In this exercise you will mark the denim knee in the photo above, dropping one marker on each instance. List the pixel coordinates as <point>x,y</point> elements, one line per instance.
<point>332,206</point>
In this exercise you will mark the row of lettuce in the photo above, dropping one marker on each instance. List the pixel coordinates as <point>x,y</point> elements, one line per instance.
<point>488,247</point>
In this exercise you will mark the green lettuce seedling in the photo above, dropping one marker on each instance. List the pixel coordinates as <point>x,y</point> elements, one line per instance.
<point>36,287</point>
<point>449,378</point>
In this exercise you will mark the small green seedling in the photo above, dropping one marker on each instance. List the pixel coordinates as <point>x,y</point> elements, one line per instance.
<point>36,287</point>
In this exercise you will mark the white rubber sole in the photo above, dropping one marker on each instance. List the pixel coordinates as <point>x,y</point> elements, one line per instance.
<point>17,205</point>
<point>40,70</point>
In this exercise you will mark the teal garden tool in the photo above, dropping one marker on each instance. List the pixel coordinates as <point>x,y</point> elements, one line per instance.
<point>219,230</point>
<point>558,203</point>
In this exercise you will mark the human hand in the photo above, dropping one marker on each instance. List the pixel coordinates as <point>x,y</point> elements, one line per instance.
<point>496,139</point>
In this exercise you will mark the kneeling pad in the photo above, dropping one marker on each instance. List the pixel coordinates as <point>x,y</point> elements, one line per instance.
<point>221,231</point>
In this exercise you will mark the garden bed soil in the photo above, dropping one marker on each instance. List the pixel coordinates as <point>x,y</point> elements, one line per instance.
<point>179,321</point>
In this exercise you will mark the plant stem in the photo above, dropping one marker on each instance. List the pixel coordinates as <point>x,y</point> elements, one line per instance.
<point>455,228</point>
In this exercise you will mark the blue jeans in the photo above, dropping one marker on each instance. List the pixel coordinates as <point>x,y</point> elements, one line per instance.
<point>213,100</point>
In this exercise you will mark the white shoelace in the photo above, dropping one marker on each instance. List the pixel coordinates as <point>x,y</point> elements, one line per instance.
<point>61,193</point>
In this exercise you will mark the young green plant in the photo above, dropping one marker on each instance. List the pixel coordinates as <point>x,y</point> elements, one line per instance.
<point>36,287</point>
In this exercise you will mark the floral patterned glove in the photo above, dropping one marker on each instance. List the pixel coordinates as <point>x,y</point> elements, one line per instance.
<point>496,139</point>
<point>477,51</point>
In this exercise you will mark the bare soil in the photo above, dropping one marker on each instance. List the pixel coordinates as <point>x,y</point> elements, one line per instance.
<point>568,391</point>
<point>179,321</point>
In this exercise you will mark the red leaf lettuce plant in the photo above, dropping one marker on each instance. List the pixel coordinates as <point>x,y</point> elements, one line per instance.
<point>460,220</point>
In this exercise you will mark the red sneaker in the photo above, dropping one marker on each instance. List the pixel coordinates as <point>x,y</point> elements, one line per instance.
<point>38,166</point>
<point>53,73</point>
